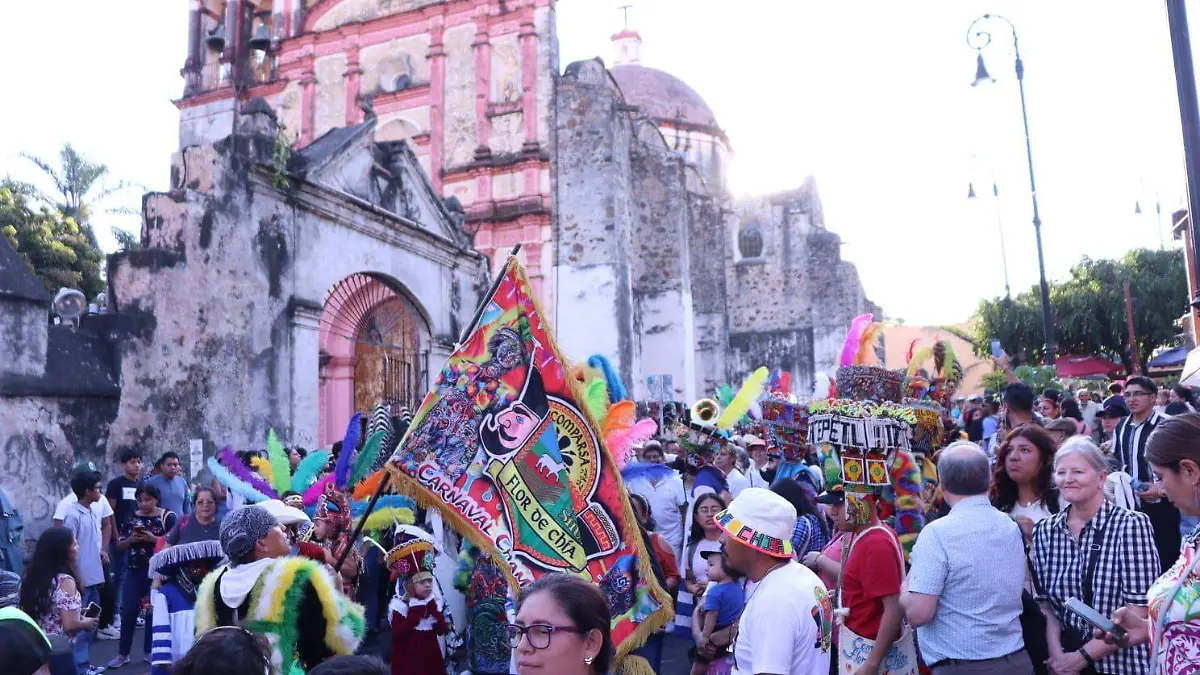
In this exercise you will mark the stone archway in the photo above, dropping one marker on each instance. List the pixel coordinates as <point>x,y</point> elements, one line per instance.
<point>374,346</point>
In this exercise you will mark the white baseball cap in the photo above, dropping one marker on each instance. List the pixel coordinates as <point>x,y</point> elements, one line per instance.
<point>284,514</point>
<point>762,520</point>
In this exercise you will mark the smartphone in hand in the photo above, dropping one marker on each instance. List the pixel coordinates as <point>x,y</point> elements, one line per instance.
<point>997,352</point>
<point>92,611</point>
<point>1096,619</point>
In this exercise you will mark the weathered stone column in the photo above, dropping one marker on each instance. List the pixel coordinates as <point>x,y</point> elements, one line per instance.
<point>306,345</point>
<point>437,102</point>
<point>483,86</point>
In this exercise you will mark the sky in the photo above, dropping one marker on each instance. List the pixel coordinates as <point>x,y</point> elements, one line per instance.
<point>872,98</point>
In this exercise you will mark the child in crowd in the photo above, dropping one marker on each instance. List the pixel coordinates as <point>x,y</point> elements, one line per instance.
<point>417,615</point>
<point>723,603</point>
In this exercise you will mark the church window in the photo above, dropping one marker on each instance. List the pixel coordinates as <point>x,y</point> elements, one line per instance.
<point>750,239</point>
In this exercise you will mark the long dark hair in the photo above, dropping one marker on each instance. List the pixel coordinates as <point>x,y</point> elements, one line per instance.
<point>802,499</point>
<point>583,604</point>
<point>1070,408</point>
<point>697,532</point>
<point>231,650</point>
<point>1174,440</point>
<point>51,557</point>
<point>650,524</point>
<point>1004,489</point>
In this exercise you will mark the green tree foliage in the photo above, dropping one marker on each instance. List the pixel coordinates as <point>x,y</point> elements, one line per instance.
<point>61,253</point>
<point>1089,309</point>
<point>126,240</point>
<point>79,184</point>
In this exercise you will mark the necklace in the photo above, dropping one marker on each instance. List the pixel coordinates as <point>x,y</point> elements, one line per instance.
<point>758,585</point>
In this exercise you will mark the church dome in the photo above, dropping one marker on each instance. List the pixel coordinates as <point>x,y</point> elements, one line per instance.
<point>662,95</point>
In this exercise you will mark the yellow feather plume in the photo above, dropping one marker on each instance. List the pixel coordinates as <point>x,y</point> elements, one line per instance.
<point>948,365</point>
<point>751,389</point>
<point>866,345</point>
<point>919,357</point>
<point>263,466</point>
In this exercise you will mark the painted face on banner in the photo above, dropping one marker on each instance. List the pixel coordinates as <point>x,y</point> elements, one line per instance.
<point>515,425</point>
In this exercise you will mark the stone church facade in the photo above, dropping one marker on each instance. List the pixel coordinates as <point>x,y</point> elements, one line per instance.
<point>350,173</point>
<point>611,179</point>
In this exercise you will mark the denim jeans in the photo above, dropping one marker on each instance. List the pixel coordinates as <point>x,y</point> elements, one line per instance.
<point>83,639</point>
<point>137,586</point>
<point>652,651</point>
<point>117,559</point>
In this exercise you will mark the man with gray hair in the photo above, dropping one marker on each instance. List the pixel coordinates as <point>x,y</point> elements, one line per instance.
<point>968,570</point>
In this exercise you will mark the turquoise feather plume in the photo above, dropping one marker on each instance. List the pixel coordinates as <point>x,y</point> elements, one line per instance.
<point>225,477</point>
<point>616,389</point>
<point>308,470</point>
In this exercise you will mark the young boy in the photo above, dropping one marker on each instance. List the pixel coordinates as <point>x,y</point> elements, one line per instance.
<point>723,603</point>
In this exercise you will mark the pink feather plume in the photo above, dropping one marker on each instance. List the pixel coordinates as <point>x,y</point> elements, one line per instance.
<point>312,494</point>
<point>854,338</point>
<point>229,459</point>
<point>621,441</point>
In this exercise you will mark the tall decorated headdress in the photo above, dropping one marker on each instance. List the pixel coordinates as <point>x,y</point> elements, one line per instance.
<point>928,393</point>
<point>708,425</point>
<point>864,435</point>
<point>786,423</point>
<point>413,557</point>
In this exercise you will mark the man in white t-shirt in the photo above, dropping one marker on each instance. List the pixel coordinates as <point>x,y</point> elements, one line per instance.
<point>663,489</point>
<point>726,461</point>
<point>102,509</point>
<point>787,625</point>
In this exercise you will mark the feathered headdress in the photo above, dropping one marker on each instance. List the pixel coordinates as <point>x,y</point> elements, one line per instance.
<point>605,400</point>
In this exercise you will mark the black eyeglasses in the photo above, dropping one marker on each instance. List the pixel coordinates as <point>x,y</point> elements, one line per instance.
<point>539,634</point>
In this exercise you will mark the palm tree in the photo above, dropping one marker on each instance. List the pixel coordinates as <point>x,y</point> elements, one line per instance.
<point>80,185</point>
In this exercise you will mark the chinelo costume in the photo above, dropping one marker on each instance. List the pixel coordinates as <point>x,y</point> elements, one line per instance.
<point>293,602</point>
<point>174,622</point>
<point>864,440</point>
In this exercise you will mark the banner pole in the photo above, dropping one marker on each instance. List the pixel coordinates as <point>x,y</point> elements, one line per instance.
<point>383,484</point>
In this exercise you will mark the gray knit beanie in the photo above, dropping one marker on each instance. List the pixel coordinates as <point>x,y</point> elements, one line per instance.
<point>242,528</point>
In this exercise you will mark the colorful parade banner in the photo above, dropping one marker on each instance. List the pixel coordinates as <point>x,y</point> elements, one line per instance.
<point>503,447</point>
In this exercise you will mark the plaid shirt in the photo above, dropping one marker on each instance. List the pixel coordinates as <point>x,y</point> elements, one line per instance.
<point>1127,566</point>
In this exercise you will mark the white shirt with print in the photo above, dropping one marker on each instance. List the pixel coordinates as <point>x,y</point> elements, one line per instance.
<point>786,628</point>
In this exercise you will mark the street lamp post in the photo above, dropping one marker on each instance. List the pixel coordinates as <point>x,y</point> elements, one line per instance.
<point>979,40</point>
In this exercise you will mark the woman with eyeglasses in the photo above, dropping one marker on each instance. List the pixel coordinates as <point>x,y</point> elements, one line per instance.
<point>562,628</point>
<point>202,524</point>
<point>705,536</point>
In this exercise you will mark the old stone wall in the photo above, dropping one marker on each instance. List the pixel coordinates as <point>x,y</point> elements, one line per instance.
<point>663,317</point>
<point>594,212</point>
<point>842,299</point>
<point>232,280</point>
<point>59,416</point>
<point>768,290</point>
<point>42,439</point>
<point>708,248</point>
